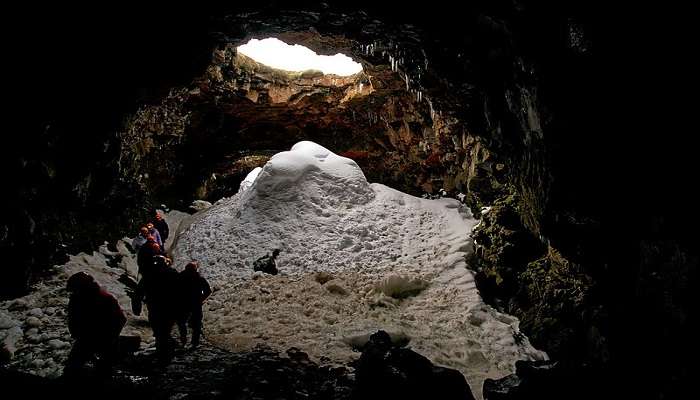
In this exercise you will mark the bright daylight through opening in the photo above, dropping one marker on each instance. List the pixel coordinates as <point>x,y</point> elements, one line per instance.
<point>296,58</point>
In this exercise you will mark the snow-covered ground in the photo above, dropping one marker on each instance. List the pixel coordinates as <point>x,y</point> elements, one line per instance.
<point>397,263</point>
<point>355,257</point>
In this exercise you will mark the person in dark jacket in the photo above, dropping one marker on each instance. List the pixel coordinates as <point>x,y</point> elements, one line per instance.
<point>162,227</point>
<point>95,321</point>
<point>194,290</point>
<point>158,288</point>
<point>267,263</point>
<point>144,258</point>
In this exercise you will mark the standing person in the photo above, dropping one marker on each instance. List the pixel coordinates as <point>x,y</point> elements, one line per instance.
<point>158,288</point>
<point>144,258</point>
<point>194,290</point>
<point>162,227</point>
<point>154,232</point>
<point>140,239</point>
<point>95,321</point>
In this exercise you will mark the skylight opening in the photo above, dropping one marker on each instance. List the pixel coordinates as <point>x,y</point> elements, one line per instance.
<point>296,58</point>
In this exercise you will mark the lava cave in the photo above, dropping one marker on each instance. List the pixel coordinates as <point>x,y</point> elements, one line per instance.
<point>489,201</point>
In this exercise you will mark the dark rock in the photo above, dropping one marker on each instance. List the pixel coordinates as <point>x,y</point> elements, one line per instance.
<point>298,356</point>
<point>358,342</point>
<point>266,264</point>
<point>323,277</point>
<point>502,389</point>
<point>386,371</point>
<point>114,261</point>
<point>128,345</point>
<point>553,297</point>
<point>550,380</point>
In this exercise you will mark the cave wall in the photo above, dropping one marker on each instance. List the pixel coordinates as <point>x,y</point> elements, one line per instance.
<point>72,80</point>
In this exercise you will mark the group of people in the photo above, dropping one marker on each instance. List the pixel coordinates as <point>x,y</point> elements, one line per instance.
<point>151,234</point>
<point>171,298</point>
<point>95,319</point>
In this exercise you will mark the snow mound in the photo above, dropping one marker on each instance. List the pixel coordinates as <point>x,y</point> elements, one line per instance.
<point>355,257</point>
<point>333,177</point>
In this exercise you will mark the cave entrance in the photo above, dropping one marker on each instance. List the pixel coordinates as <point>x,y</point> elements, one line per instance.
<point>272,87</point>
<point>277,54</point>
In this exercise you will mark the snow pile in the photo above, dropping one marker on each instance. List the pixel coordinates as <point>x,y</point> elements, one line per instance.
<point>249,179</point>
<point>34,335</point>
<point>355,257</point>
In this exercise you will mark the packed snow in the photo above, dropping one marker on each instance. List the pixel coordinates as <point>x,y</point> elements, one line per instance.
<point>355,257</point>
<point>249,179</point>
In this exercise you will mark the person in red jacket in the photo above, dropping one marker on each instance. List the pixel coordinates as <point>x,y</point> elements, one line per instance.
<point>95,321</point>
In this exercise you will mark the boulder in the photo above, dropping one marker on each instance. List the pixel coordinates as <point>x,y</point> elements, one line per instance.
<point>33,322</point>
<point>502,389</point>
<point>6,322</point>
<point>7,353</point>
<point>36,312</point>
<point>199,205</point>
<point>387,371</point>
<point>549,380</point>
<point>58,344</point>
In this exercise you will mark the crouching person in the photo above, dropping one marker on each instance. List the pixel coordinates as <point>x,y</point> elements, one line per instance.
<point>194,291</point>
<point>95,321</point>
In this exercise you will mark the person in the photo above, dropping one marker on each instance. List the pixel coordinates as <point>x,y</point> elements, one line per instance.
<point>95,321</point>
<point>140,239</point>
<point>162,227</point>
<point>267,263</point>
<point>158,288</point>
<point>144,257</point>
<point>154,232</point>
<point>194,290</point>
